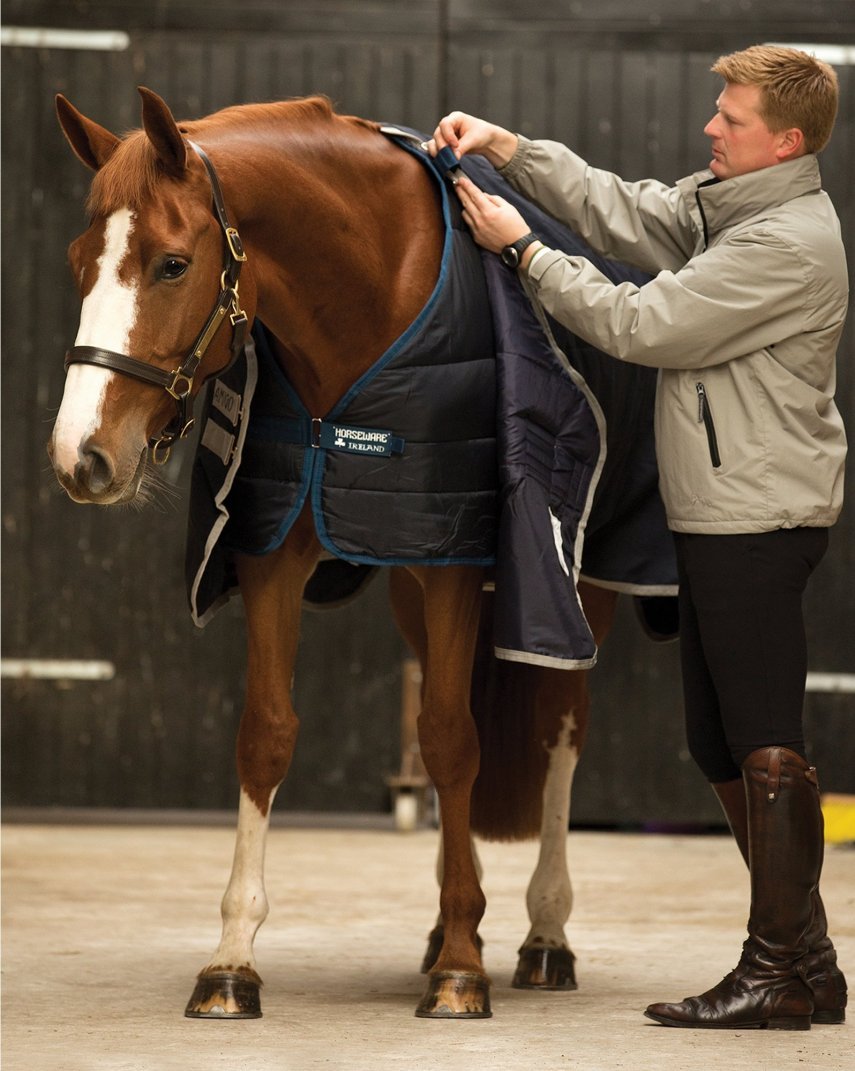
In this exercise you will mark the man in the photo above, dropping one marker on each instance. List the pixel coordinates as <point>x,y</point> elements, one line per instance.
<point>742,318</point>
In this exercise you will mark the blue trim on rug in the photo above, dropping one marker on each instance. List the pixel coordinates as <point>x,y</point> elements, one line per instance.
<point>419,321</point>
<point>378,366</point>
<point>314,459</point>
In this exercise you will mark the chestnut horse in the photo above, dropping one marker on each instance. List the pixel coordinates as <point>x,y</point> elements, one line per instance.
<point>335,286</point>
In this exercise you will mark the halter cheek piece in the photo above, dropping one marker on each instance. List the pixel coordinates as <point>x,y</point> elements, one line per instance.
<point>179,382</point>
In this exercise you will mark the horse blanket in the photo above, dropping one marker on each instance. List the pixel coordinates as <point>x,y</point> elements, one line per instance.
<point>486,435</point>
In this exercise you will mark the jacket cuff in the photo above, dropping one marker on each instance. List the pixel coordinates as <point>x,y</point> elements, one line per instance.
<point>518,162</point>
<point>542,261</point>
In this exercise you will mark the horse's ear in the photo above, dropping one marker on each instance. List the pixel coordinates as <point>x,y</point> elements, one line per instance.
<point>163,132</point>
<point>91,143</point>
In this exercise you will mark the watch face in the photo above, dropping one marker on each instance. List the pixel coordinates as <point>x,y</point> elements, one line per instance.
<point>510,256</point>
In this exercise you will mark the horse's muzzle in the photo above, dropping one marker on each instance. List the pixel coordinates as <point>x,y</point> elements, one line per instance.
<point>95,478</point>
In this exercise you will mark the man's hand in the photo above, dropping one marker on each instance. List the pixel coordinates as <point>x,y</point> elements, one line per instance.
<point>468,134</point>
<point>493,221</point>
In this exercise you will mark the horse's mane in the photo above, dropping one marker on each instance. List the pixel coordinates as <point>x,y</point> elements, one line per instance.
<point>132,173</point>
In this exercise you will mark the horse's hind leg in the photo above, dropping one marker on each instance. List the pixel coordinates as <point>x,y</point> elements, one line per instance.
<point>545,959</point>
<point>563,706</point>
<point>272,587</point>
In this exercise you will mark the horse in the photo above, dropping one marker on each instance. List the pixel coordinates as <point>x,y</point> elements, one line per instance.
<point>314,223</point>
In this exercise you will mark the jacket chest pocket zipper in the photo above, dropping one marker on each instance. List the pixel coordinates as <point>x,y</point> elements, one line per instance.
<point>706,418</point>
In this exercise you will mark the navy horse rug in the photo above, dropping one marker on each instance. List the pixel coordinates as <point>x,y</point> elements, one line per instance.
<point>486,435</point>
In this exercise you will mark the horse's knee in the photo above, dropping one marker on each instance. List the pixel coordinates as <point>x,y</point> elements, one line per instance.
<point>265,746</point>
<point>450,749</point>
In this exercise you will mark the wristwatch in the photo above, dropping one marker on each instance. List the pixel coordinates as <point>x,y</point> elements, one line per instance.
<point>511,253</point>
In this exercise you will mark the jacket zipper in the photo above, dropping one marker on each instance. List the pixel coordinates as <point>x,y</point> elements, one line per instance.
<point>705,417</point>
<point>703,218</point>
<point>699,203</point>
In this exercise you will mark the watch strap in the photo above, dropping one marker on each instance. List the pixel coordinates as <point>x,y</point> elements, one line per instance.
<point>512,253</point>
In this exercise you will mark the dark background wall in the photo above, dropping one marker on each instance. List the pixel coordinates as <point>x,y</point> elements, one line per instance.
<point>628,85</point>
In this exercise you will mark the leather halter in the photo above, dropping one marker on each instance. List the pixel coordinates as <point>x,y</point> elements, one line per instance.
<point>179,382</point>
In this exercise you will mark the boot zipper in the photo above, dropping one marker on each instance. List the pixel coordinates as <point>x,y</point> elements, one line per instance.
<point>773,774</point>
<point>705,417</point>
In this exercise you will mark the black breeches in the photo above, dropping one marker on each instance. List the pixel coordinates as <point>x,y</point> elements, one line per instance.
<point>742,642</point>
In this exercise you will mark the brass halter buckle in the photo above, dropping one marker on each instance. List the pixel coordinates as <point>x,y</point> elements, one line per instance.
<point>181,385</point>
<point>235,244</point>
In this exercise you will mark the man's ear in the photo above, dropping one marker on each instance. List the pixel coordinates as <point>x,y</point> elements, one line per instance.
<point>791,143</point>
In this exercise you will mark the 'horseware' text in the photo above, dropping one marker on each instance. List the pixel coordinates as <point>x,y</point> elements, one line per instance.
<point>357,440</point>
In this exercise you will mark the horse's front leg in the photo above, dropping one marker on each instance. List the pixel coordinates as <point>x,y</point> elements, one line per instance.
<point>457,984</point>
<point>272,588</point>
<point>563,708</point>
<point>437,934</point>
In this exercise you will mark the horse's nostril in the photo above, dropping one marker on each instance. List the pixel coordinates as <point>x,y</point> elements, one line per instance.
<point>95,469</point>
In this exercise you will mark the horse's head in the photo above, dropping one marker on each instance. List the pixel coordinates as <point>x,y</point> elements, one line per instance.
<point>157,273</point>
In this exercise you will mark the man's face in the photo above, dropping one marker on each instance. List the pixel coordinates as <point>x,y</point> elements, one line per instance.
<point>741,141</point>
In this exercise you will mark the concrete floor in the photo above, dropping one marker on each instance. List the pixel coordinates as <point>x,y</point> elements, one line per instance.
<point>105,927</point>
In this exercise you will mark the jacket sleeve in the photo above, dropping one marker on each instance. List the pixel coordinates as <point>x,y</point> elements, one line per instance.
<point>709,312</point>
<point>645,224</point>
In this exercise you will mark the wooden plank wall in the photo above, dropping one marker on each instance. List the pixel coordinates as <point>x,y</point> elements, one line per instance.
<point>628,86</point>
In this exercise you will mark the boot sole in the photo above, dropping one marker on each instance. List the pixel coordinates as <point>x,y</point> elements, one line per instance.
<point>790,1022</point>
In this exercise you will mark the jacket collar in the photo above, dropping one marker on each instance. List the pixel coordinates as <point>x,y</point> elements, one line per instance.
<point>733,200</point>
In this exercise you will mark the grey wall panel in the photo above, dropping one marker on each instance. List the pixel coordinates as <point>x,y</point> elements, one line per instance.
<point>627,85</point>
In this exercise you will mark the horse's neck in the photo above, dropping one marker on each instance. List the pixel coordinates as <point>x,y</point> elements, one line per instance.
<point>345,250</point>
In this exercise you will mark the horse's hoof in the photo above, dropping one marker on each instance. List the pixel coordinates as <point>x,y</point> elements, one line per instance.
<point>434,947</point>
<point>456,995</point>
<point>225,995</point>
<point>545,968</point>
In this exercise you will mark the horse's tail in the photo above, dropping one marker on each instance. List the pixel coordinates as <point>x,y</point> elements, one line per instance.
<point>519,710</point>
<point>507,798</point>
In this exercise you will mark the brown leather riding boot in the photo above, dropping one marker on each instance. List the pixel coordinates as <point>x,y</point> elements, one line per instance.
<point>818,967</point>
<point>784,824</point>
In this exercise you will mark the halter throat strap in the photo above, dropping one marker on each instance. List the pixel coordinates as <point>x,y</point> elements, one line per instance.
<point>179,382</point>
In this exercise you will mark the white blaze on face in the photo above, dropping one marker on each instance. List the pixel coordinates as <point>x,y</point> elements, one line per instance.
<point>107,318</point>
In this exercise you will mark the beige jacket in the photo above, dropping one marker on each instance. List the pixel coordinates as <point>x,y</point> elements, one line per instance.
<point>742,318</point>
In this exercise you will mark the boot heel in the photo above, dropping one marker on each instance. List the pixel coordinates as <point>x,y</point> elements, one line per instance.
<point>789,1022</point>
<point>832,1017</point>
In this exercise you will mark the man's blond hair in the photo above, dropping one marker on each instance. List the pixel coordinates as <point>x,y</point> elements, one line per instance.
<point>798,90</point>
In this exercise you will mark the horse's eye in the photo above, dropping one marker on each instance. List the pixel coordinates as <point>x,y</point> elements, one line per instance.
<point>172,268</point>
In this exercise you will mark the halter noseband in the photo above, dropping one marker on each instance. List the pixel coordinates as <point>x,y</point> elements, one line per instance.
<point>179,382</point>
